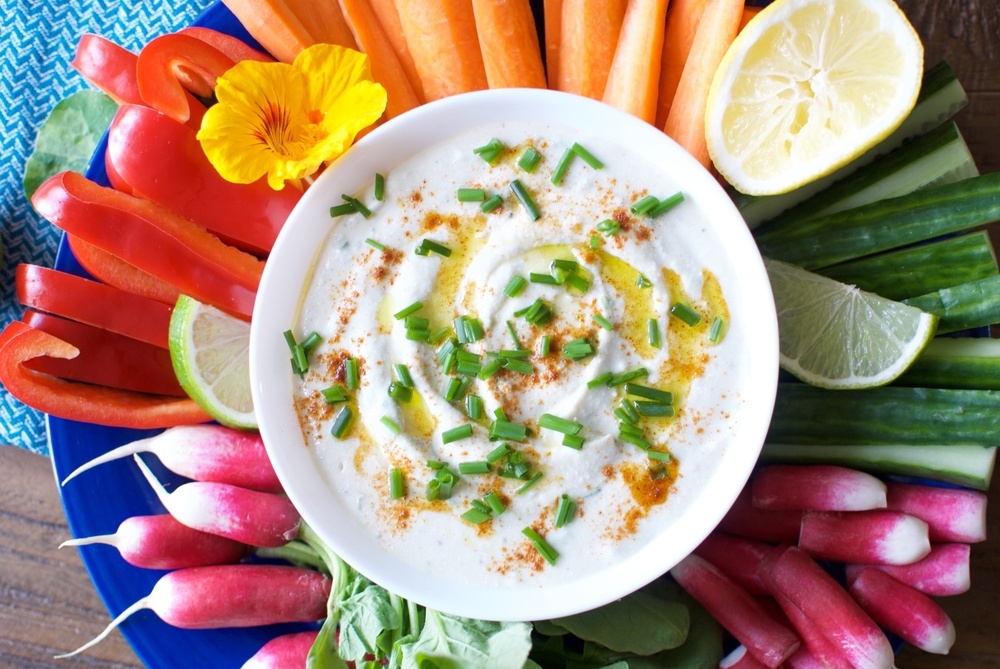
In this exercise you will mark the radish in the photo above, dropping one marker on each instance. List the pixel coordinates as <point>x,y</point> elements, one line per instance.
<point>248,516</point>
<point>203,453</point>
<point>740,658</point>
<point>907,612</point>
<point>743,520</point>
<point>944,572</point>
<point>820,648</point>
<point>878,536</point>
<point>239,595</point>
<point>816,488</point>
<point>951,514</point>
<point>804,659</point>
<point>736,610</point>
<point>737,558</point>
<point>793,575</point>
<point>161,542</point>
<point>288,651</point>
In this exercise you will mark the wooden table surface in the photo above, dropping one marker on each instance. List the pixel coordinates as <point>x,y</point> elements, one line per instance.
<point>48,606</point>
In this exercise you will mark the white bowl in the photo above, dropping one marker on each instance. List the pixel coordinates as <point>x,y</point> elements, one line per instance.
<point>752,341</point>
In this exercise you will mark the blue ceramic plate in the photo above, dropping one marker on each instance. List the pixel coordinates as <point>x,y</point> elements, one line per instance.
<point>98,500</point>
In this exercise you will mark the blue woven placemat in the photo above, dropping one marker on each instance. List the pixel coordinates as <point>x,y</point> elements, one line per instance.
<point>37,41</point>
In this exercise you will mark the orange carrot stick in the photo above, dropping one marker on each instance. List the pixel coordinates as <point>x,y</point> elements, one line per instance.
<point>748,13</point>
<point>325,20</point>
<point>686,121</point>
<point>393,29</point>
<point>386,70</point>
<point>508,39</point>
<point>441,35</point>
<point>552,18</point>
<point>682,22</point>
<point>587,44</point>
<point>273,26</point>
<point>634,79</point>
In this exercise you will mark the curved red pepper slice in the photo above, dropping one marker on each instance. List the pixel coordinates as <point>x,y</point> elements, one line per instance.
<point>172,65</point>
<point>106,358</point>
<point>114,271</point>
<point>87,403</point>
<point>235,48</point>
<point>94,303</point>
<point>156,158</point>
<point>108,67</point>
<point>154,239</point>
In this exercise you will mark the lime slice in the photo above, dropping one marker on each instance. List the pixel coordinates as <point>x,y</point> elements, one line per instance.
<point>806,87</point>
<point>833,335</point>
<point>210,351</point>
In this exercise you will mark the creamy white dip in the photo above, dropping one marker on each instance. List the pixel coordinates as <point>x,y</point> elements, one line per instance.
<point>622,496</point>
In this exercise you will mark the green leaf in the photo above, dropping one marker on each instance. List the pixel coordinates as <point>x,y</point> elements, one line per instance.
<point>67,138</point>
<point>701,650</point>
<point>450,642</point>
<point>365,615</point>
<point>324,654</point>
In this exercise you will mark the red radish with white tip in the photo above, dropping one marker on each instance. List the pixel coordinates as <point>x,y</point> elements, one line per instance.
<point>904,611</point>
<point>288,651</point>
<point>951,514</point>
<point>820,648</point>
<point>161,542</point>
<point>943,573</point>
<point>248,516</point>
<point>878,536</point>
<point>203,453</point>
<point>737,558</point>
<point>795,576</point>
<point>740,658</point>
<point>736,610</point>
<point>235,595</point>
<point>744,520</point>
<point>816,488</point>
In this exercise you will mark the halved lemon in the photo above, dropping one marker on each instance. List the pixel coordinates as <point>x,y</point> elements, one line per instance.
<point>807,86</point>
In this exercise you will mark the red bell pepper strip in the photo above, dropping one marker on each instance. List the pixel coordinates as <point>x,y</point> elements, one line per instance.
<point>93,303</point>
<point>233,47</point>
<point>154,239</point>
<point>159,159</point>
<point>106,358</point>
<point>114,271</point>
<point>87,403</point>
<point>172,65</point>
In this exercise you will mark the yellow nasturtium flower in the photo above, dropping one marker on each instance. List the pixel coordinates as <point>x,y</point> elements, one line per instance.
<point>286,120</point>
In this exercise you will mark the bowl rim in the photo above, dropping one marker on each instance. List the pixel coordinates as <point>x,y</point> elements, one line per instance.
<point>289,265</point>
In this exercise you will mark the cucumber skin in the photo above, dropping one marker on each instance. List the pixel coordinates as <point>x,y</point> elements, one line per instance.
<point>885,225</point>
<point>921,269</point>
<point>887,415</point>
<point>956,362</point>
<point>962,307</point>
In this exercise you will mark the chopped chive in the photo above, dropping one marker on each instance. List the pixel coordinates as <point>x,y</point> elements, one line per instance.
<point>587,156</point>
<point>625,427</point>
<point>289,339</point>
<point>604,322</point>
<point>397,486</point>
<point>504,429</point>
<point>438,335</point>
<point>334,394</point>
<point>471,195</point>
<point>600,380</point>
<point>574,441</point>
<point>642,281</point>
<point>379,186</point>
<point>415,334</point>
<point>499,414</point>
<point>416,323</point>
<point>622,415</point>
<point>430,245</point>
<point>644,205</point>
<point>559,173</point>
<point>578,349</point>
<point>399,392</point>
<point>491,204</point>
<point>456,433</point>
<point>495,503</point>
<point>541,277</point>
<point>463,385</point>
<point>474,467</point>
<point>541,545</point>
<point>516,353</point>
<point>390,424</point>
<point>715,334</point>
<point>460,330</point>
<point>474,329</point>
<point>299,361</point>
<point>490,151</point>
<point>562,263</point>
<point>481,505</point>
<point>433,490</point>
<point>666,205</point>
<point>519,366</point>
<point>625,377</point>
<point>351,373</point>
<point>608,227</point>
<point>490,368</point>
<point>498,453</point>
<point>476,516</point>
<point>654,409</point>
<point>549,422</point>
<point>595,241</point>
<point>342,423</point>
<point>578,281</point>
<point>658,455</point>
<point>545,346</point>
<point>406,311</point>
<point>529,160</point>
<point>358,205</point>
<point>468,366</point>
<point>374,244</point>
<point>525,198</point>
<point>474,406</point>
<point>653,330</point>
<point>564,510</point>
<point>515,286</point>
<point>342,210</point>
<point>654,394</point>
<point>657,471</point>
<point>451,391</point>
<point>685,313</point>
<point>538,313</point>
<point>529,483</point>
<point>311,341</point>
<point>436,464</point>
<point>421,251</point>
<point>635,441</point>
<point>631,413</point>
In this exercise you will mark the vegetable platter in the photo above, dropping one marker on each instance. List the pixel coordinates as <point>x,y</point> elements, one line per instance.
<point>96,505</point>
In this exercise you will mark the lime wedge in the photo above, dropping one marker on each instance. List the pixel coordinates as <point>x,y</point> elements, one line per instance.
<point>833,335</point>
<point>210,351</point>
